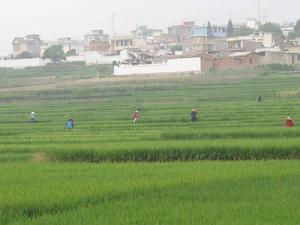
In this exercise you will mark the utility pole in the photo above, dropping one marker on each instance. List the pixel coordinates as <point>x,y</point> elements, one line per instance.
<point>112,32</point>
<point>113,25</point>
<point>259,11</point>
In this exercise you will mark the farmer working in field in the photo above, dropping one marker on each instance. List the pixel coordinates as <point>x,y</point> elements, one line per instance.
<point>289,123</point>
<point>259,99</point>
<point>70,124</point>
<point>33,118</point>
<point>135,116</point>
<point>194,115</point>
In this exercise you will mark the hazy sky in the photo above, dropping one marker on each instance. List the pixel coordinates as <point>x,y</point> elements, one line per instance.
<point>59,18</point>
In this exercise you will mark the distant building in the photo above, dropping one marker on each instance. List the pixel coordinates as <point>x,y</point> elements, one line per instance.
<point>252,23</point>
<point>180,33</point>
<point>253,42</point>
<point>143,31</point>
<point>30,44</point>
<point>237,44</point>
<point>67,44</point>
<point>97,41</point>
<point>204,40</point>
<point>203,31</point>
<point>119,43</point>
<point>156,41</point>
<point>290,56</point>
<point>286,29</point>
<point>295,42</point>
<point>237,60</point>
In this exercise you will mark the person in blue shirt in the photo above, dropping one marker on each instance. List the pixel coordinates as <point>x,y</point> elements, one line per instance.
<point>70,124</point>
<point>194,115</point>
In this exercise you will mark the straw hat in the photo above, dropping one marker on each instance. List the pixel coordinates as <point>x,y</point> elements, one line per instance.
<point>288,118</point>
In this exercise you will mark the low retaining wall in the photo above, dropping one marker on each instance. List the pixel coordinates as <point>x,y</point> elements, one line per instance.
<point>23,63</point>
<point>94,58</point>
<point>172,66</point>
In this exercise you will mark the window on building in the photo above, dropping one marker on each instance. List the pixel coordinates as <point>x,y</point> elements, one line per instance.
<point>251,61</point>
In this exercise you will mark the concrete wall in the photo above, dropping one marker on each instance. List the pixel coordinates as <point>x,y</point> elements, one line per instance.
<point>172,66</point>
<point>23,63</point>
<point>92,58</point>
<point>273,57</point>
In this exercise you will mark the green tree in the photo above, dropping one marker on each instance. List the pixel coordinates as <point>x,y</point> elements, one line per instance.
<point>273,28</point>
<point>24,55</point>
<point>243,31</point>
<point>55,53</point>
<point>292,35</point>
<point>71,52</point>
<point>297,29</point>
<point>230,29</point>
<point>176,48</point>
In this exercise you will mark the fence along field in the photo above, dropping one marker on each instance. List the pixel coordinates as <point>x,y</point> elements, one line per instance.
<point>42,183</point>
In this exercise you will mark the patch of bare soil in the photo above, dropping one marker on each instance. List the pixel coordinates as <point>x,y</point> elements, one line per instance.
<point>40,157</point>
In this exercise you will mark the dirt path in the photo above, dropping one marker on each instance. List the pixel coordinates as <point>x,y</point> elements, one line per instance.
<point>50,83</point>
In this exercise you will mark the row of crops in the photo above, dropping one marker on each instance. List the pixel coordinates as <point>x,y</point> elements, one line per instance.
<point>174,193</point>
<point>232,124</point>
<point>236,165</point>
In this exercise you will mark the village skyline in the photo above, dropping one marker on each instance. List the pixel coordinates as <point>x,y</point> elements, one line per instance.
<point>51,22</point>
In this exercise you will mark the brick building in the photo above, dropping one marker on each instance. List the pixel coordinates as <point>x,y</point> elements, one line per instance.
<point>235,61</point>
<point>97,41</point>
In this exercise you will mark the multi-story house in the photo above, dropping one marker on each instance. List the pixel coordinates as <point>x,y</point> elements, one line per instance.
<point>180,33</point>
<point>203,38</point>
<point>30,44</point>
<point>68,44</point>
<point>97,41</point>
<point>119,43</point>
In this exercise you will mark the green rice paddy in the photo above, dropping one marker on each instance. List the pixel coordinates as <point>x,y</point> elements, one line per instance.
<point>236,165</point>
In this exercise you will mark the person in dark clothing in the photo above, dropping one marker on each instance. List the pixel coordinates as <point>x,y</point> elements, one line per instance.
<point>259,99</point>
<point>33,118</point>
<point>194,115</point>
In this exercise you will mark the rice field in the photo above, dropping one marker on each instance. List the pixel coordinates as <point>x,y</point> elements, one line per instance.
<point>253,192</point>
<point>236,165</point>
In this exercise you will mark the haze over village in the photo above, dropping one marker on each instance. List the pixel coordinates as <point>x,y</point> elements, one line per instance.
<point>134,112</point>
<point>224,41</point>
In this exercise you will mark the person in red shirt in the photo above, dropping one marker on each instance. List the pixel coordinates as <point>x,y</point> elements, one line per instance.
<point>289,123</point>
<point>135,116</point>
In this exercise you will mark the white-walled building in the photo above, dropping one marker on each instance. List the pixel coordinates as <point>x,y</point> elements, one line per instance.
<point>180,65</point>
<point>252,23</point>
<point>67,44</point>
